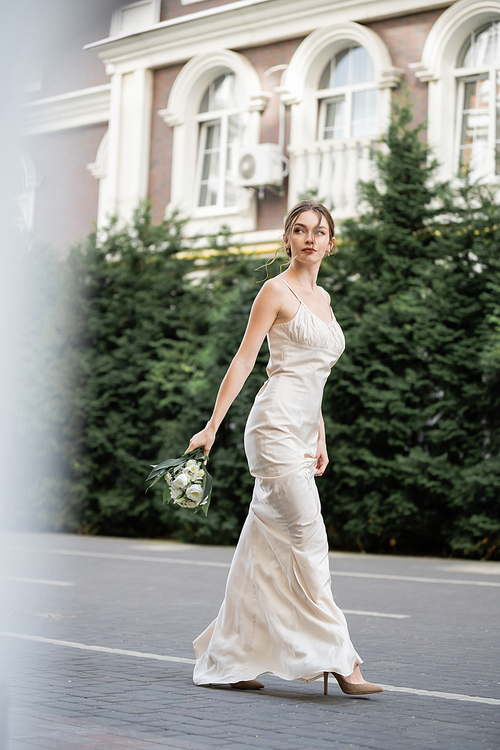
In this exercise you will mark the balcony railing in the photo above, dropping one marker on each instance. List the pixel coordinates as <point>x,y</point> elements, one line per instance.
<point>332,170</point>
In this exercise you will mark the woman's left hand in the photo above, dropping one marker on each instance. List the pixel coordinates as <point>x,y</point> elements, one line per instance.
<point>321,459</point>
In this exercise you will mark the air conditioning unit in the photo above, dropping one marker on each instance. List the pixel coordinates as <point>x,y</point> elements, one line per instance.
<point>260,165</point>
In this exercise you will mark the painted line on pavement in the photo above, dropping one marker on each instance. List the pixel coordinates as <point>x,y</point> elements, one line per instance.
<point>414,579</point>
<point>374,614</point>
<point>162,657</point>
<point>101,649</point>
<point>438,694</point>
<point>36,580</point>
<point>206,563</point>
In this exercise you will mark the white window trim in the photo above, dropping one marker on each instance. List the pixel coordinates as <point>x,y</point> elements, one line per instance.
<point>205,119</point>
<point>466,75</point>
<point>300,87</point>
<point>26,200</point>
<point>99,170</point>
<point>438,68</point>
<point>182,113</point>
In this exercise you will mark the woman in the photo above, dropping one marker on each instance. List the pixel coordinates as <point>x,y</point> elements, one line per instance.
<point>278,615</point>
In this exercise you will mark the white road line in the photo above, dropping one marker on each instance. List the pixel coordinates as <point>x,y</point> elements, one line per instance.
<point>206,563</point>
<point>438,694</point>
<point>415,579</point>
<point>102,649</point>
<point>36,580</point>
<point>162,657</point>
<point>374,614</point>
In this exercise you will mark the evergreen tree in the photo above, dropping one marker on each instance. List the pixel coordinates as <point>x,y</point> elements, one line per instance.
<point>412,408</point>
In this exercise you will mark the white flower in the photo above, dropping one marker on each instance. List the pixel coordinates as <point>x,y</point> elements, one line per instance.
<point>176,493</point>
<point>195,493</point>
<point>184,502</point>
<point>168,478</point>
<point>191,468</point>
<point>199,474</point>
<point>180,482</point>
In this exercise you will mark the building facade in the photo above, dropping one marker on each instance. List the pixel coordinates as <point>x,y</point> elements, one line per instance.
<point>232,111</point>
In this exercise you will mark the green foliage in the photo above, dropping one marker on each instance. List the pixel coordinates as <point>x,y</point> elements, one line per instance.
<point>412,408</point>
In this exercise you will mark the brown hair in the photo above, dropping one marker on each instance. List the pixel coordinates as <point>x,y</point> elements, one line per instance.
<point>308,205</point>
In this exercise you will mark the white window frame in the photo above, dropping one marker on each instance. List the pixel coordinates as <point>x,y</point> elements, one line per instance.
<point>465,75</point>
<point>204,118</point>
<point>325,96</point>
<point>182,113</point>
<point>300,90</point>
<point>438,68</point>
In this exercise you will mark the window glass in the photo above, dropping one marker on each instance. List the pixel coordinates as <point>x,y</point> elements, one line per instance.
<point>210,140</point>
<point>482,47</point>
<point>351,65</point>
<point>334,119</point>
<point>353,113</point>
<point>219,141</point>
<point>475,122</point>
<point>479,101</point>
<point>220,94</point>
<point>364,112</point>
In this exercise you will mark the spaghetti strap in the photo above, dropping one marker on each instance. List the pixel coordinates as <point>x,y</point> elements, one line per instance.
<point>326,294</point>
<point>294,293</point>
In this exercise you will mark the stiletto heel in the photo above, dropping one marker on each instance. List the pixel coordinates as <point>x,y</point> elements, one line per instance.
<point>325,683</point>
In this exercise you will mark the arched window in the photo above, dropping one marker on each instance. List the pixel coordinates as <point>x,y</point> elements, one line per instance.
<point>219,138</point>
<point>347,96</point>
<point>460,62</point>
<point>339,85</point>
<point>215,107</point>
<point>478,98</point>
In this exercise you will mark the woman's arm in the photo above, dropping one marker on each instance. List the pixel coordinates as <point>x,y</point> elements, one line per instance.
<point>265,309</point>
<point>321,454</point>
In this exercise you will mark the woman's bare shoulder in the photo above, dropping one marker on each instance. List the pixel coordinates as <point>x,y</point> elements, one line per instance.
<point>273,289</point>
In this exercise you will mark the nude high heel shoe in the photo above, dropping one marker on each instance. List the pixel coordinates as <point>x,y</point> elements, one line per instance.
<point>247,685</point>
<point>351,688</point>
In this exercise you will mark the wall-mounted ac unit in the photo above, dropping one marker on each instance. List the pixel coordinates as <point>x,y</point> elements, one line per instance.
<point>260,165</point>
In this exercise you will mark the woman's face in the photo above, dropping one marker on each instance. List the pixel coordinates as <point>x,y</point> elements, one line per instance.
<point>309,240</point>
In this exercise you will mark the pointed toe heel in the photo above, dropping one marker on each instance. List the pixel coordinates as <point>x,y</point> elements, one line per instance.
<point>356,688</point>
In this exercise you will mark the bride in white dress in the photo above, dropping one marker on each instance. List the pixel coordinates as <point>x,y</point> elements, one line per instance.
<point>278,616</point>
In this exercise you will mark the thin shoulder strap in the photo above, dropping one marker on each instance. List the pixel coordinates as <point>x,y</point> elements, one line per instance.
<point>326,294</point>
<point>294,293</point>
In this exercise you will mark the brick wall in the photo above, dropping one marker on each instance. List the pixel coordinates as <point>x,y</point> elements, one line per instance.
<point>405,38</point>
<point>272,209</point>
<point>160,160</point>
<point>66,199</point>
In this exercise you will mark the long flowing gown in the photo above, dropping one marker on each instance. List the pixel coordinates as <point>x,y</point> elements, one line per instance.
<point>278,615</point>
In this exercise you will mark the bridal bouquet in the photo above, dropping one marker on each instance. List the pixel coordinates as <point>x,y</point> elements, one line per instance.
<point>189,485</point>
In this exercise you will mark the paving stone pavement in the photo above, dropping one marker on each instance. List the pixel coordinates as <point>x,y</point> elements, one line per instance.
<point>154,598</point>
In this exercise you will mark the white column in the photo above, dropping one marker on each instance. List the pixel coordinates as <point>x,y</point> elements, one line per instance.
<point>129,141</point>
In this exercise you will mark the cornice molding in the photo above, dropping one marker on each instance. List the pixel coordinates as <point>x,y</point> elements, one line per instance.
<point>238,25</point>
<point>65,111</point>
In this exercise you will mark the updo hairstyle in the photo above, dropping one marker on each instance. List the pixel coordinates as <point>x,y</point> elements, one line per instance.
<point>293,215</point>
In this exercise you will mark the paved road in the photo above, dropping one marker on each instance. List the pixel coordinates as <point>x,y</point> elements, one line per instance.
<point>96,652</point>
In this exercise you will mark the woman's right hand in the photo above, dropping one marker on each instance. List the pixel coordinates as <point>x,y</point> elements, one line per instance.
<point>203,439</point>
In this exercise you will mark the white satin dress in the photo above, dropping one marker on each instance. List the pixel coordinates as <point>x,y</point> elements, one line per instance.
<point>278,616</point>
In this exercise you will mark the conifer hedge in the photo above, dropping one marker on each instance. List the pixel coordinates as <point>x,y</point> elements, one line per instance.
<point>412,409</point>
